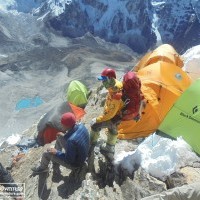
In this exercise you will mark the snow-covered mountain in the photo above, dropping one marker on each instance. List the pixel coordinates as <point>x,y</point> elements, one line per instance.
<point>140,24</point>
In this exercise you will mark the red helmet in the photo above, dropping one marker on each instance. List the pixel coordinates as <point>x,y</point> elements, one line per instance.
<point>68,119</point>
<point>108,72</point>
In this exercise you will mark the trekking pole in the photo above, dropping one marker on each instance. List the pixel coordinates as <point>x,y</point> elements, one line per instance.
<point>40,197</point>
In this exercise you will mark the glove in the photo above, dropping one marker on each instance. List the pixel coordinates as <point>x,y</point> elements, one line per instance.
<point>94,121</point>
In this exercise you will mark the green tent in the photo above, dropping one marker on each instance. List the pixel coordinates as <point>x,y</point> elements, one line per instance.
<point>184,117</point>
<point>77,94</point>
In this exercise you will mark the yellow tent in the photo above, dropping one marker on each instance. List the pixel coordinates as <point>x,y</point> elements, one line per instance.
<point>164,53</point>
<point>162,84</point>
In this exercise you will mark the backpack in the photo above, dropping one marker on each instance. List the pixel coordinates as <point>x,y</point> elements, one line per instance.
<point>131,96</point>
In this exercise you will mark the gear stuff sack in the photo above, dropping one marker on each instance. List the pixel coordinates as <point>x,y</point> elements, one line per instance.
<point>131,96</point>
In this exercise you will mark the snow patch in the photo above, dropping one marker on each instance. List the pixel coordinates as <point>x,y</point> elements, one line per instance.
<point>6,4</point>
<point>155,28</point>
<point>43,16</point>
<point>158,156</point>
<point>13,139</point>
<point>191,62</point>
<point>155,3</point>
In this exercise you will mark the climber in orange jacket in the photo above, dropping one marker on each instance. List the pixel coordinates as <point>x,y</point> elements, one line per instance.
<point>112,108</point>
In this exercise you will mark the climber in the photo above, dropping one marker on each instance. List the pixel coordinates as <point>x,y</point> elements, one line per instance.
<point>112,108</point>
<point>75,141</point>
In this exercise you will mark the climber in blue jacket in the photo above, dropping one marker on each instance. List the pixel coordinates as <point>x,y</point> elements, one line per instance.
<point>75,142</point>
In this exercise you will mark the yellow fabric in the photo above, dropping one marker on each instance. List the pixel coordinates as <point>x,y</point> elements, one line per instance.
<point>162,84</point>
<point>165,53</point>
<point>112,105</point>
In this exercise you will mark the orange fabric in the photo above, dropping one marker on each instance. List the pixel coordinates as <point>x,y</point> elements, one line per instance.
<point>78,112</point>
<point>165,53</point>
<point>132,129</point>
<point>162,84</point>
<point>50,134</point>
<point>143,62</point>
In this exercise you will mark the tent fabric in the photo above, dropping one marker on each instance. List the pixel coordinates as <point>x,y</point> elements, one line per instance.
<point>184,117</point>
<point>164,53</point>
<point>185,192</point>
<point>50,124</point>
<point>78,112</point>
<point>49,134</point>
<point>162,84</point>
<point>77,93</point>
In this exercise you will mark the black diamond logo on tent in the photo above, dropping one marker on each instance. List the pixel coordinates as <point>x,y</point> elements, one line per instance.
<point>195,109</point>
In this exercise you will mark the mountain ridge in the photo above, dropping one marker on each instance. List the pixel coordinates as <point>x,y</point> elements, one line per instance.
<point>139,24</point>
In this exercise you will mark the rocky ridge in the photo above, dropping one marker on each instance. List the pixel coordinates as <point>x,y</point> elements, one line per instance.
<point>139,24</point>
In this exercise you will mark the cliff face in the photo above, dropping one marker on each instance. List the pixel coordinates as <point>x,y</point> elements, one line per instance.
<point>115,21</point>
<point>178,22</point>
